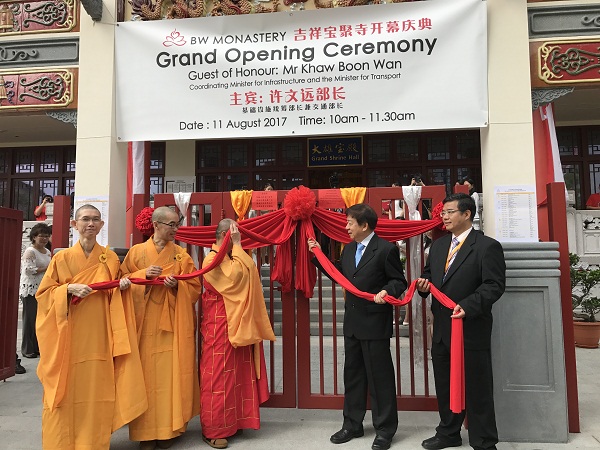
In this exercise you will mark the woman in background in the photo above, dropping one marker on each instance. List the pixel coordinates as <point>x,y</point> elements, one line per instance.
<point>40,211</point>
<point>34,263</point>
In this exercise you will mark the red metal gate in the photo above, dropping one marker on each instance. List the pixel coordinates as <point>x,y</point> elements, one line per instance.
<point>208,208</point>
<point>11,224</point>
<point>305,363</point>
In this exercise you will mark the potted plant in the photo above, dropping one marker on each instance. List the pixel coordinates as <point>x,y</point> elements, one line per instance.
<point>585,304</point>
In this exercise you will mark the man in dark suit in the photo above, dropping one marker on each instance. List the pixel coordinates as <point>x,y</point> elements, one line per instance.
<point>372,265</point>
<point>469,268</point>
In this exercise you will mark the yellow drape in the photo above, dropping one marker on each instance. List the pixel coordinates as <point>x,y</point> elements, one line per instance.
<point>89,365</point>
<point>240,200</point>
<point>165,321</point>
<point>354,195</point>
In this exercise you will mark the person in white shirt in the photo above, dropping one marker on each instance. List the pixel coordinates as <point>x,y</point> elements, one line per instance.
<point>34,262</point>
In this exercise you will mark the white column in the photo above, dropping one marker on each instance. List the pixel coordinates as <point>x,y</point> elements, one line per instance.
<point>507,144</point>
<point>101,164</point>
<point>180,159</point>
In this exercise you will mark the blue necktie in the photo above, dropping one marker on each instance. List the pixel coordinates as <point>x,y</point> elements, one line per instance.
<point>359,251</point>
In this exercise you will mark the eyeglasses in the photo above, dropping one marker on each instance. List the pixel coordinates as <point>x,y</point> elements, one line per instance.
<point>173,225</point>
<point>448,212</point>
<point>90,219</point>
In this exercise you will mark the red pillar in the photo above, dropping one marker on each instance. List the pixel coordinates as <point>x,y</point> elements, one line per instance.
<point>557,225</point>
<point>540,144</point>
<point>61,221</point>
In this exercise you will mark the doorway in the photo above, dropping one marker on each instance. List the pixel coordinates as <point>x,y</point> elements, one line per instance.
<point>335,177</point>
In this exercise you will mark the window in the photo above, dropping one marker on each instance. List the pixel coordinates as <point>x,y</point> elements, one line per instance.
<point>438,147</point>
<point>291,180</point>
<point>209,183</point>
<point>568,141</point>
<point>27,174</point>
<point>467,146</point>
<point>209,156</point>
<point>157,156</point>
<point>292,154</point>
<point>237,182</point>
<point>378,150</point>
<point>157,168</point>
<point>237,155</point>
<point>572,174</point>
<point>380,178</point>
<point>594,142</point>
<point>440,157</point>
<point>265,154</point>
<point>250,164</point>
<point>581,169</point>
<point>407,148</point>
<point>4,162</point>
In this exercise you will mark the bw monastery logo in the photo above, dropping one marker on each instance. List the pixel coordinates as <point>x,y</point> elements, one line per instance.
<point>175,38</point>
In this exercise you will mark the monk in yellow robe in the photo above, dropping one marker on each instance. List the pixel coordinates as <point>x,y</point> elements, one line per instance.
<point>89,363</point>
<point>165,319</point>
<point>233,378</point>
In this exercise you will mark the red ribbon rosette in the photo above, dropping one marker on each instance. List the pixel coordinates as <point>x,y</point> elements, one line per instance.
<point>143,221</point>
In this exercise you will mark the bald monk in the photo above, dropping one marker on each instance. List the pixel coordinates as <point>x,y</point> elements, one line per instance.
<point>165,321</point>
<point>233,378</point>
<point>89,364</point>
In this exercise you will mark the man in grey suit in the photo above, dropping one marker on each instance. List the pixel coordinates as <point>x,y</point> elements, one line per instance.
<point>372,265</point>
<point>469,268</point>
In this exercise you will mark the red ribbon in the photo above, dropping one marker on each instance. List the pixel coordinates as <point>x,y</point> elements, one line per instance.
<point>457,375</point>
<point>457,349</point>
<point>457,356</point>
<point>219,257</point>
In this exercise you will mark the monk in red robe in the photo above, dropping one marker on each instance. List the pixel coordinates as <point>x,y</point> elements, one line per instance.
<point>165,320</point>
<point>233,378</point>
<point>89,362</point>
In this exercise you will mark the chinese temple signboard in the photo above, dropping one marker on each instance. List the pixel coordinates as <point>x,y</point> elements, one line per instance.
<point>335,151</point>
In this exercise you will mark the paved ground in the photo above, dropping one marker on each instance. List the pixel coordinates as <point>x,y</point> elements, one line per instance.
<point>20,421</point>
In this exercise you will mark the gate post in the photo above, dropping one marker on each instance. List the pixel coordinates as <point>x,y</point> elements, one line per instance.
<point>11,224</point>
<point>61,221</point>
<point>557,224</point>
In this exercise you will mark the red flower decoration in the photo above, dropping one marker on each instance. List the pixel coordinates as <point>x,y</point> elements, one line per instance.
<point>143,221</point>
<point>435,214</point>
<point>300,203</point>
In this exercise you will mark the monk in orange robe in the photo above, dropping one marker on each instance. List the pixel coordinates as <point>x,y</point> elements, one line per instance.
<point>165,319</point>
<point>89,362</point>
<point>233,378</point>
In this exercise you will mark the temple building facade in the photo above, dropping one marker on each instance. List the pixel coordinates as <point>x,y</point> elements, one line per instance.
<point>58,132</point>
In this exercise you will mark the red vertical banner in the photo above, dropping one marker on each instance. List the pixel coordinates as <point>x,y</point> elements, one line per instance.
<point>138,187</point>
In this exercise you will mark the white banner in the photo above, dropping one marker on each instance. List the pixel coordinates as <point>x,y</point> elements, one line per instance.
<point>409,66</point>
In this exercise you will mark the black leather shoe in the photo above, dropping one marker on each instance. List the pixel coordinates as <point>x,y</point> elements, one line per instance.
<point>437,443</point>
<point>344,435</point>
<point>381,443</point>
<point>19,369</point>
